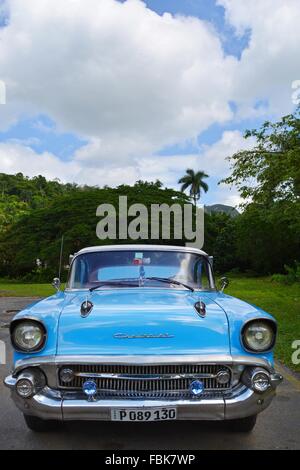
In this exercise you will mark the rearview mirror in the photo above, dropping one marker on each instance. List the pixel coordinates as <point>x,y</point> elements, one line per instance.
<point>56,283</point>
<point>224,283</point>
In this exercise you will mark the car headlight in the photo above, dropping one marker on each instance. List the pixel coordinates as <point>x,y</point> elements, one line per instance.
<point>259,335</point>
<point>28,335</point>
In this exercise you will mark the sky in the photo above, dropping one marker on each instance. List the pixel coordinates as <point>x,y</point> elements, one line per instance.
<point>109,92</point>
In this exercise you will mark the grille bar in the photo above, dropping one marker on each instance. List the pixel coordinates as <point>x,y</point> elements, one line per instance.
<point>143,377</point>
<point>156,381</point>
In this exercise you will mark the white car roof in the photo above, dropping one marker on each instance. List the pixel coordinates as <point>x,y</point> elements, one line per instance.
<point>137,247</point>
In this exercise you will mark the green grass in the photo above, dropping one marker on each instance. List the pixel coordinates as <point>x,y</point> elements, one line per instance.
<point>281,301</point>
<point>12,289</point>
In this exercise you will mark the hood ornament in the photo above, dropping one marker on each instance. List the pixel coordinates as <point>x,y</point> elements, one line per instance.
<point>142,336</point>
<point>86,308</point>
<point>201,308</point>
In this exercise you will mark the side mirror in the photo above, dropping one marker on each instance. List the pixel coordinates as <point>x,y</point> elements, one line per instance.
<point>71,259</point>
<point>56,283</point>
<point>224,283</point>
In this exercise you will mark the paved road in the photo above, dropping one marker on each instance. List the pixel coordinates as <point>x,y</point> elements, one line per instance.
<point>277,428</point>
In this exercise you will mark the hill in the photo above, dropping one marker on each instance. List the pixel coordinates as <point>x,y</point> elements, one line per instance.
<point>217,208</point>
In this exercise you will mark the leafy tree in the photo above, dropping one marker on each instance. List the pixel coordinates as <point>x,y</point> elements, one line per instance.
<point>38,233</point>
<point>20,194</point>
<point>221,241</point>
<point>268,178</point>
<point>266,239</point>
<point>271,170</point>
<point>195,182</point>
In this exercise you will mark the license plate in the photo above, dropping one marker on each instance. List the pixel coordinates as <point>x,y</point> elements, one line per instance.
<point>144,414</point>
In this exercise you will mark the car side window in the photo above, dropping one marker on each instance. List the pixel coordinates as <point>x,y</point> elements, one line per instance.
<point>81,271</point>
<point>201,275</point>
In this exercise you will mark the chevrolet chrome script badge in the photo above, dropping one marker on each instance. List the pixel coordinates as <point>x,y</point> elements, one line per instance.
<point>143,336</point>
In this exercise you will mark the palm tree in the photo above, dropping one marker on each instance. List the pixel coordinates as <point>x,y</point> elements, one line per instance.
<point>195,182</point>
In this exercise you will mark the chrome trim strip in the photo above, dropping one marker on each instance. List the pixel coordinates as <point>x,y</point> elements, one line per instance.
<point>144,377</point>
<point>252,361</point>
<point>104,288</point>
<point>223,359</point>
<point>142,247</point>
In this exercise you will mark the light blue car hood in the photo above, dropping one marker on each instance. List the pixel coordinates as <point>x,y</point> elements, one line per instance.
<point>142,312</point>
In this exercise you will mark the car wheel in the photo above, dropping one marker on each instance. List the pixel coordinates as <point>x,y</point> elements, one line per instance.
<point>242,424</point>
<point>40,425</point>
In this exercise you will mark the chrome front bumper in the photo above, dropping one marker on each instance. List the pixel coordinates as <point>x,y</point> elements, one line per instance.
<point>66,406</point>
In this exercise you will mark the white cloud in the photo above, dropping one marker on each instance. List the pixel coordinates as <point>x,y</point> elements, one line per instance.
<point>271,62</point>
<point>15,157</point>
<point>130,82</point>
<point>115,73</point>
<point>214,157</point>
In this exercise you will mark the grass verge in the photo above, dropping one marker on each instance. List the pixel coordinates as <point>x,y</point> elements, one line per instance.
<point>14,289</point>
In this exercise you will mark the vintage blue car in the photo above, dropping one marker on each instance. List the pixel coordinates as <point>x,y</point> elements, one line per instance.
<point>142,334</point>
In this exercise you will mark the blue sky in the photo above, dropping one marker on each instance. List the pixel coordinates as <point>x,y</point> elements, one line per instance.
<point>97,104</point>
<point>39,132</point>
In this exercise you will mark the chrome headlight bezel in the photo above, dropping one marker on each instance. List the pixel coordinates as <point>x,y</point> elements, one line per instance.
<point>35,380</point>
<point>34,325</point>
<point>250,375</point>
<point>260,323</point>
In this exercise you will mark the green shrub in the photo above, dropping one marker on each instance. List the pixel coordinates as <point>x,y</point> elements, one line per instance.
<point>280,278</point>
<point>292,276</point>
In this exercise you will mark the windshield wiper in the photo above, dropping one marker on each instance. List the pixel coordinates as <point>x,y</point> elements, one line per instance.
<point>130,284</point>
<point>112,283</point>
<point>169,281</point>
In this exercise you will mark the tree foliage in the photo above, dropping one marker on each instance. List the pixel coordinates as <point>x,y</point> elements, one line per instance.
<point>20,194</point>
<point>270,172</point>
<point>195,183</point>
<point>268,178</point>
<point>37,234</point>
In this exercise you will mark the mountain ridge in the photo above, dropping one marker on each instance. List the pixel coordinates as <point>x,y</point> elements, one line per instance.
<point>221,208</point>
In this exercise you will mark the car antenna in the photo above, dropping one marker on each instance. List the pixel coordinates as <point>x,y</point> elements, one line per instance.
<point>60,256</point>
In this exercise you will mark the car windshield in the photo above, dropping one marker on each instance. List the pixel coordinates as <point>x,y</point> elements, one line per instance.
<point>135,268</point>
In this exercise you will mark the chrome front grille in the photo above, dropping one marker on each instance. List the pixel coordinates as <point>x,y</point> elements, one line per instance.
<point>147,381</point>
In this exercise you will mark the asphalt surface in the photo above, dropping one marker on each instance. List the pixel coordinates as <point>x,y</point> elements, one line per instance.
<point>278,427</point>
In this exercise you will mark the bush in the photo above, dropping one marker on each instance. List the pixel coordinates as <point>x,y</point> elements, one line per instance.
<point>292,276</point>
<point>280,278</point>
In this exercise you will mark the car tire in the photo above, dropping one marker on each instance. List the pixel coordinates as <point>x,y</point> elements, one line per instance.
<point>40,425</point>
<point>242,424</point>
